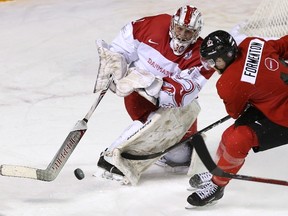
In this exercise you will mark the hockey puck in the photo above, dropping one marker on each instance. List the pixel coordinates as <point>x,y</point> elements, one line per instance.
<point>79,174</point>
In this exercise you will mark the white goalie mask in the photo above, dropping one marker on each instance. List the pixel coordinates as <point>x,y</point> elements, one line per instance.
<point>185,28</point>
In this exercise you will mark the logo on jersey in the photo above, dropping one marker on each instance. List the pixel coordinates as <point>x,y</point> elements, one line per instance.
<point>271,64</point>
<point>152,42</point>
<point>158,67</point>
<point>210,43</point>
<point>188,55</point>
<point>252,61</point>
<point>178,90</point>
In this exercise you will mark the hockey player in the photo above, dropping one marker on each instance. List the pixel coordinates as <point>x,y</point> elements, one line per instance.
<point>155,64</point>
<point>254,89</point>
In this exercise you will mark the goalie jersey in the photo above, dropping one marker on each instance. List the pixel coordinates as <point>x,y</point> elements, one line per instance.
<point>145,44</point>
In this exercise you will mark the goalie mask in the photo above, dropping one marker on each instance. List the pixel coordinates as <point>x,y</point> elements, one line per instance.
<point>185,28</point>
<point>218,50</point>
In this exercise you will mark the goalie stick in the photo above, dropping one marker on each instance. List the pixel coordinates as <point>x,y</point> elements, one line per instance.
<point>130,156</point>
<point>202,151</point>
<point>62,155</point>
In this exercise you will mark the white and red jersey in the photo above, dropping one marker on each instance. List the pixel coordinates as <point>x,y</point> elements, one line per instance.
<point>145,43</point>
<point>259,76</point>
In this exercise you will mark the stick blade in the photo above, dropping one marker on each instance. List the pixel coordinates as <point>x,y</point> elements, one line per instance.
<point>57,163</point>
<point>18,171</point>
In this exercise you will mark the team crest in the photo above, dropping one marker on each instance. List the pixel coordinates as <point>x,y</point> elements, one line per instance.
<point>209,43</point>
<point>271,64</point>
<point>188,55</point>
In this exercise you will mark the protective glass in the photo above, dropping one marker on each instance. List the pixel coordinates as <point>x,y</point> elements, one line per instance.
<point>183,34</point>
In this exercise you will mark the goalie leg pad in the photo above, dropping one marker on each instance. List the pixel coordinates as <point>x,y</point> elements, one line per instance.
<point>131,129</point>
<point>162,130</point>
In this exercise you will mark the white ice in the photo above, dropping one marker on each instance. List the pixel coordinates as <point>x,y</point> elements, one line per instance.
<point>48,62</point>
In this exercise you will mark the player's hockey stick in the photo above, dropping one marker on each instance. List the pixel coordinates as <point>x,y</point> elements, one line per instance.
<point>130,156</point>
<point>62,155</point>
<point>202,151</point>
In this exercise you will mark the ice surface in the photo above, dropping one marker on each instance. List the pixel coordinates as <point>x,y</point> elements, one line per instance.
<point>48,61</point>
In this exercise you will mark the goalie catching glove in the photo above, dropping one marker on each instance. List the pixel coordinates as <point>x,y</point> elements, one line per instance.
<point>139,80</point>
<point>142,81</point>
<point>110,63</point>
<point>113,63</point>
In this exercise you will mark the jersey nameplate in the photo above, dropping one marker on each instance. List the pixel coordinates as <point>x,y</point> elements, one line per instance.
<point>252,61</point>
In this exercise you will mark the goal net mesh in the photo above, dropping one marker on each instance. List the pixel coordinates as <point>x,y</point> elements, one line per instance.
<point>269,20</point>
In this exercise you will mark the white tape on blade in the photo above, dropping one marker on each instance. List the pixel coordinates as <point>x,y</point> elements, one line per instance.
<point>18,171</point>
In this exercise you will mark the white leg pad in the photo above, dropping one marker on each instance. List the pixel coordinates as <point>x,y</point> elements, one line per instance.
<point>165,128</point>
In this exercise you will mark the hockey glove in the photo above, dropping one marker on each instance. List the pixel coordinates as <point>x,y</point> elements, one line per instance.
<point>138,79</point>
<point>110,63</point>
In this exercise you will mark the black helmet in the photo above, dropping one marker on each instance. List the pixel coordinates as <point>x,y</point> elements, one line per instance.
<point>218,44</point>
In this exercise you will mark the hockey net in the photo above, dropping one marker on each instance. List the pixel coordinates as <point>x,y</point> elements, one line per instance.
<point>269,20</point>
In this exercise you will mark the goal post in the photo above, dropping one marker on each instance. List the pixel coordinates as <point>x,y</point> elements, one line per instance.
<point>269,20</point>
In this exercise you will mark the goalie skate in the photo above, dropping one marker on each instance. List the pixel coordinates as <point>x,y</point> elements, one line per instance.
<point>114,177</point>
<point>111,172</point>
<point>106,175</point>
<point>169,166</point>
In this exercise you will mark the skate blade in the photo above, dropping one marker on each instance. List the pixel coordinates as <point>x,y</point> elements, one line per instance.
<point>191,207</point>
<point>113,177</point>
<point>191,189</point>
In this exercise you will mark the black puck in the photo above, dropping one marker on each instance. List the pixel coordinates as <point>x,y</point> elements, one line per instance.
<point>79,174</point>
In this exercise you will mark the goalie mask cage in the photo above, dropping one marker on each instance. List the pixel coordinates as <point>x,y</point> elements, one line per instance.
<point>269,20</point>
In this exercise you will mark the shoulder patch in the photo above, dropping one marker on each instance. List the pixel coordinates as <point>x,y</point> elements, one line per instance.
<point>271,64</point>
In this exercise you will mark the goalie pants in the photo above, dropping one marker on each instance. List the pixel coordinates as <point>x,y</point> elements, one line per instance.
<point>140,108</point>
<point>251,131</point>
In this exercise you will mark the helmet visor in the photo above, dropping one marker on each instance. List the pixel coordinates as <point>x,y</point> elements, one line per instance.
<point>208,64</point>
